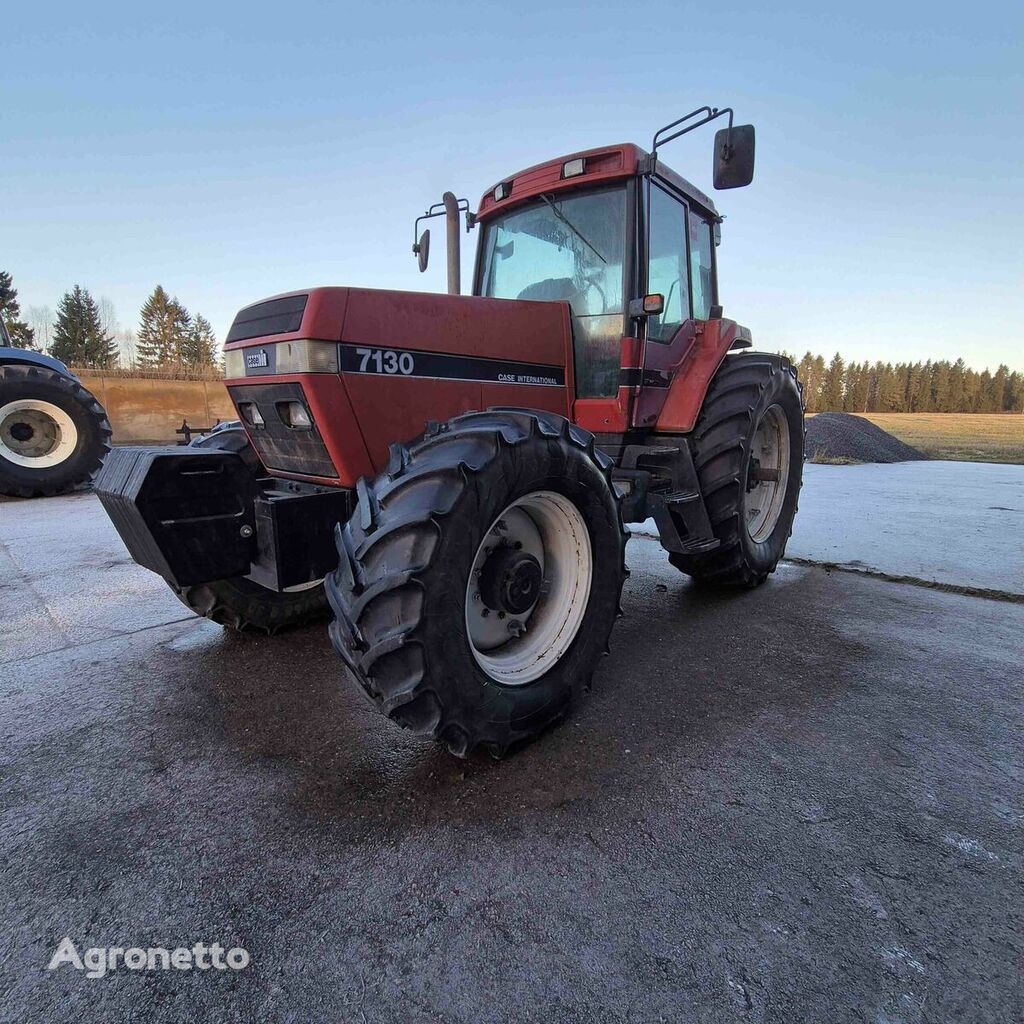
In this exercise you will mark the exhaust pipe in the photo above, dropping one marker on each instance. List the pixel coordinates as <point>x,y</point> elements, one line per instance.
<point>451,216</point>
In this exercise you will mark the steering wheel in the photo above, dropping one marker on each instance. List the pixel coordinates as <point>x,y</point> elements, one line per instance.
<point>588,283</point>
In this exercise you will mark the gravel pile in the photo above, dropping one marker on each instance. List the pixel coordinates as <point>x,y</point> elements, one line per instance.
<point>839,435</point>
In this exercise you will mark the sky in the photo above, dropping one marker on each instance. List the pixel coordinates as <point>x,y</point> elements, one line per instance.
<point>232,152</point>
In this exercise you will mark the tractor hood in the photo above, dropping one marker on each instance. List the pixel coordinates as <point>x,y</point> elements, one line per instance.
<point>373,367</point>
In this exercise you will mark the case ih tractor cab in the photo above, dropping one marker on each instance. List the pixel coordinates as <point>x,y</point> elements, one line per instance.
<point>474,559</point>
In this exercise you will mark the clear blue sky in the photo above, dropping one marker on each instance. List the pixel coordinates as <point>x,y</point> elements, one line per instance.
<point>232,152</point>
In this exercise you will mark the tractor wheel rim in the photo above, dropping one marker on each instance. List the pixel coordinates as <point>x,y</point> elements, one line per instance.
<point>768,472</point>
<point>36,434</point>
<point>516,648</point>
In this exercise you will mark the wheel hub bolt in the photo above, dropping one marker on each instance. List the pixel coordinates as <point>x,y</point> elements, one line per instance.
<point>516,628</point>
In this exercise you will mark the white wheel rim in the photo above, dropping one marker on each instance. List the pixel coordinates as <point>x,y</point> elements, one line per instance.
<point>35,434</point>
<point>549,527</point>
<point>770,448</point>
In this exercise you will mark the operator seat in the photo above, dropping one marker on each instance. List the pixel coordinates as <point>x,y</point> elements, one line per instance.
<point>553,289</point>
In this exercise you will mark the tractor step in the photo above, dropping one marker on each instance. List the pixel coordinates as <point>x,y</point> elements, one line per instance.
<point>663,484</point>
<point>683,523</point>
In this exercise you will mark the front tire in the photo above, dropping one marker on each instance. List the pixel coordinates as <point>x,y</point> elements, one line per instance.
<point>54,435</point>
<point>247,607</point>
<point>457,522</point>
<point>748,448</point>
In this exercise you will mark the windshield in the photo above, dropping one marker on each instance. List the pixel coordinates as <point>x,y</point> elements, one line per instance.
<point>567,248</point>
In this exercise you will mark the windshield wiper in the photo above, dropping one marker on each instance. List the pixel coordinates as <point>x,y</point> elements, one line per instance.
<point>572,227</point>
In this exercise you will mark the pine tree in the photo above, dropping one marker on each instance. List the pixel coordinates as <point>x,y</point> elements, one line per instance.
<point>22,336</point>
<point>940,386</point>
<point>923,397</point>
<point>1014,394</point>
<point>874,380</point>
<point>956,386</point>
<point>78,335</point>
<point>832,386</point>
<point>200,345</point>
<point>163,330</point>
<point>999,385</point>
<point>805,372</point>
<point>856,399</point>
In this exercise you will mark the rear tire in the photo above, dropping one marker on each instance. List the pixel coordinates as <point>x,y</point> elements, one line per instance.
<point>753,402</point>
<point>54,435</point>
<point>408,576</point>
<point>240,603</point>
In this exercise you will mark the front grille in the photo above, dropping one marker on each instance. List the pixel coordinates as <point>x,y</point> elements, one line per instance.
<point>282,448</point>
<point>276,316</point>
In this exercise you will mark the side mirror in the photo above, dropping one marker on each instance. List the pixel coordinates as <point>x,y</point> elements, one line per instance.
<point>422,250</point>
<point>734,156</point>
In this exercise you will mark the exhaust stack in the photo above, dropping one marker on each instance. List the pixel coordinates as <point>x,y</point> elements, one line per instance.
<point>451,217</point>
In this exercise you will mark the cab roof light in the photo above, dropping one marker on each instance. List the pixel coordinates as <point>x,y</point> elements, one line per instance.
<point>574,168</point>
<point>502,191</point>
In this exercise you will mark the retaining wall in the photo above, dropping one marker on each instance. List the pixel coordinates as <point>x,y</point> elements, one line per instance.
<point>147,410</point>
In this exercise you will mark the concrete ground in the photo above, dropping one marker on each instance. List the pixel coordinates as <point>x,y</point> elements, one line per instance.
<point>801,803</point>
<point>955,524</point>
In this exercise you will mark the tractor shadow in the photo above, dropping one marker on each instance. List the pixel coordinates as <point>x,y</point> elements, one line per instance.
<point>693,676</point>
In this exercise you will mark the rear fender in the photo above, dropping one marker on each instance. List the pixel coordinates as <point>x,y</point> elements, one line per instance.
<point>26,357</point>
<point>673,405</point>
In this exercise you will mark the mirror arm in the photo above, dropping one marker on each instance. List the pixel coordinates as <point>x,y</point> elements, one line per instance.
<point>438,210</point>
<point>709,114</point>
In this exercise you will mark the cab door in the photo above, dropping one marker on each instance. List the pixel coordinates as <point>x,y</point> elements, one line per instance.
<point>680,267</point>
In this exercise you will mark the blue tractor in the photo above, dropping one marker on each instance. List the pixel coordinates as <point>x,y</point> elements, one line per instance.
<point>54,435</point>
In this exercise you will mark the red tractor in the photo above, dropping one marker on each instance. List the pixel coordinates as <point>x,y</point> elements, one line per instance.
<point>473,560</point>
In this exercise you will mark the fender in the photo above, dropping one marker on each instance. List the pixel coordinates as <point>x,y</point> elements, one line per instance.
<point>691,375</point>
<point>27,357</point>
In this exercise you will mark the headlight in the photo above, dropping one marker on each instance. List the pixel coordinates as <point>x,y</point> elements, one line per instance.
<point>234,362</point>
<point>306,356</point>
<point>302,356</point>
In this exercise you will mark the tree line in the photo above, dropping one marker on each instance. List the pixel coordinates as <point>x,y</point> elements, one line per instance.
<point>84,332</point>
<point>931,386</point>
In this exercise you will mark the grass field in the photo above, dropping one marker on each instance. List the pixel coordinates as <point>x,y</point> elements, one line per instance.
<point>961,437</point>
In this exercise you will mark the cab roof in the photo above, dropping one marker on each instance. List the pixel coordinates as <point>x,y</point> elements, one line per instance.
<point>606,164</point>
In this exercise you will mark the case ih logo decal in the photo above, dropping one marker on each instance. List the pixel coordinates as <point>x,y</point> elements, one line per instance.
<point>399,362</point>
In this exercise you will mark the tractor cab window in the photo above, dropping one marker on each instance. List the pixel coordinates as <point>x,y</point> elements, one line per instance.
<point>567,247</point>
<point>667,264</point>
<point>700,265</point>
